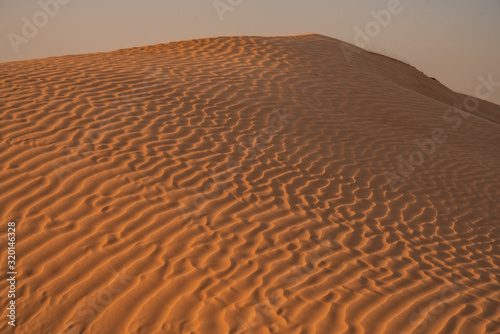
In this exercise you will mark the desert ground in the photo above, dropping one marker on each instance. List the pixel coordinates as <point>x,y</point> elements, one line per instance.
<point>291,185</point>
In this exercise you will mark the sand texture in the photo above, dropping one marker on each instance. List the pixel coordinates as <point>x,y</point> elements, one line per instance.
<point>247,185</point>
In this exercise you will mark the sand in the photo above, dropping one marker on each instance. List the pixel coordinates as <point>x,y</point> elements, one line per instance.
<point>247,185</point>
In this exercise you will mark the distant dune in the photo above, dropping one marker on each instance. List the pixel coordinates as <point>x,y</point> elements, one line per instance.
<point>291,185</point>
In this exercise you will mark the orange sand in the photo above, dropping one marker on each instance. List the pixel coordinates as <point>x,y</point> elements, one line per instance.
<point>240,185</point>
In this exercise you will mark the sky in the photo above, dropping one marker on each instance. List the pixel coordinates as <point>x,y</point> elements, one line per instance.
<point>455,41</point>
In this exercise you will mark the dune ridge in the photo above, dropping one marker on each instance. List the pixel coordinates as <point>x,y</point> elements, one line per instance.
<point>243,185</point>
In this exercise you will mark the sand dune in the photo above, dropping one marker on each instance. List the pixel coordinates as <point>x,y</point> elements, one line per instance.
<point>247,185</point>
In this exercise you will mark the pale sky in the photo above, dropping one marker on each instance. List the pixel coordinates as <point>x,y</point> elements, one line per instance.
<point>455,41</point>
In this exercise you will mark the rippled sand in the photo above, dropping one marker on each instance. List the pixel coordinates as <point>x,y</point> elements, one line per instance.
<point>247,185</point>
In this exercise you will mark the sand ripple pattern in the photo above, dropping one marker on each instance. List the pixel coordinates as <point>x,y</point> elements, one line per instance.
<point>145,202</point>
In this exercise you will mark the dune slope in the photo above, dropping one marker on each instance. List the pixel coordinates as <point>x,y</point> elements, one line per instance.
<point>247,185</point>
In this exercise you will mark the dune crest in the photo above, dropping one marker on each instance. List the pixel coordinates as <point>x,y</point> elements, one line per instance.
<point>247,185</point>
